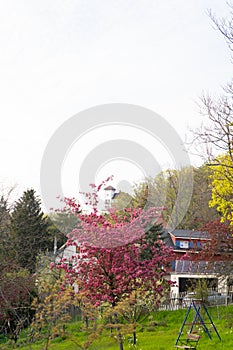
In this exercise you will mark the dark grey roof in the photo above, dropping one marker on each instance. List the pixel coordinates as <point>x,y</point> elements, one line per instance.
<point>205,267</point>
<point>186,266</point>
<point>110,188</point>
<point>189,234</point>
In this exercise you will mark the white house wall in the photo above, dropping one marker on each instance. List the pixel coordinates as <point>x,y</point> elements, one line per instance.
<point>175,292</point>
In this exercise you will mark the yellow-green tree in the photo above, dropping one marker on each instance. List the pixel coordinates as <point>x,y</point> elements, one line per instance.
<point>222,187</point>
<point>51,312</point>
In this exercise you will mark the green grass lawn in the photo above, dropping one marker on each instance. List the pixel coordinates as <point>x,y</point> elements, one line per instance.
<point>158,333</point>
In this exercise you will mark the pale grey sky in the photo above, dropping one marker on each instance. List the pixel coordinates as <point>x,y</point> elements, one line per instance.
<point>59,57</point>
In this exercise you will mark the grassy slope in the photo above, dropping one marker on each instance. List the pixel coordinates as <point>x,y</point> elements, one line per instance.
<point>159,337</point>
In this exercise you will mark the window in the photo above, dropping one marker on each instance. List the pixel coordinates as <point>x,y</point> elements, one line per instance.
<point>184,244</point>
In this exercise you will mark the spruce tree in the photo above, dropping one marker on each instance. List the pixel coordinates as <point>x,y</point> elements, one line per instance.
<point>30,230</point>
<point>151,241</point>
<point>6,247</point>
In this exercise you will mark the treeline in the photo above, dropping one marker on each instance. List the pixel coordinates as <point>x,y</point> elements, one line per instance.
<point>169,190</point>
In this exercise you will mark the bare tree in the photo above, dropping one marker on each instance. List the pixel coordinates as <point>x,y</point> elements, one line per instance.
<point>215,136</point>
<point>224,25</point>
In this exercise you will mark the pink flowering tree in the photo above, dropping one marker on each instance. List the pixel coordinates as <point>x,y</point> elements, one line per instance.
<point>112,260</point>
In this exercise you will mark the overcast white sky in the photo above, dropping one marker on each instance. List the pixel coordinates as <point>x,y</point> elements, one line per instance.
<point>59,57</point>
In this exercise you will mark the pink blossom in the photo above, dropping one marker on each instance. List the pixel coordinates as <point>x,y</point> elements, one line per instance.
<point>109,266</point>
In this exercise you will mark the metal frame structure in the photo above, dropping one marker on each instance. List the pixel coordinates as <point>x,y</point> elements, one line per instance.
<point>196,305</point>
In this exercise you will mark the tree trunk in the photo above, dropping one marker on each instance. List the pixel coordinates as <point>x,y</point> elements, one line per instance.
<point>119,335</point>
<point>134,338</point>
<point>86,320</point>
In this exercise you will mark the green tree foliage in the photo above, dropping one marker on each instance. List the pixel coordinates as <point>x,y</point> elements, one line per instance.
<point>141,191</point>
<point>122,200</point>
<point>6,247</point>
<point>169,190</point>
<point>179,185</point>
<point>60,224</point>
<point>56,237</point>
<point>29,229</point>
<point>199,212</point>
<point>152,240</point>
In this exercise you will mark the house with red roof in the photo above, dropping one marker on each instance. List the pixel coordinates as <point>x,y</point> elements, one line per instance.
<point>185,271</point>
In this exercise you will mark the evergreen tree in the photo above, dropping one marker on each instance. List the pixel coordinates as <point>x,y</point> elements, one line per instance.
<point>152,241</point>
<point>30,230</point>
<point>6,246</point>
